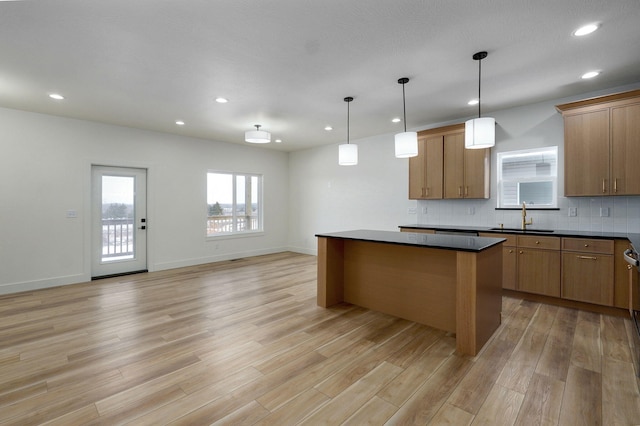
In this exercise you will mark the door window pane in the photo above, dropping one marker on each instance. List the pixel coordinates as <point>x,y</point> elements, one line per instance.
<point>118,236</point>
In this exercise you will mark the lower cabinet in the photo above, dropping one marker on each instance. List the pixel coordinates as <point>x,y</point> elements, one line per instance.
<point>539,265</point>
<point>587,270</point>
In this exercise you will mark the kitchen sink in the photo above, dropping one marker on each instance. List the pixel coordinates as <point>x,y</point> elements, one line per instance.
<point>521,230</point>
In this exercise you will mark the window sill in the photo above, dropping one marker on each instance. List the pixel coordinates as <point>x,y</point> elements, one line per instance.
<point>234,236</point>
<point>528,208</point>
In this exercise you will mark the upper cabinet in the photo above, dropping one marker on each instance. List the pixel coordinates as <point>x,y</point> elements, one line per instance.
<point>445,169</point>
<point>601,145</point>
<point>425,170</point>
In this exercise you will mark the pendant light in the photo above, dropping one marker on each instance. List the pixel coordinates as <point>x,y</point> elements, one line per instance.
<point>347,152</point>
<point>406,142</point>
<point>257,136</point>
<point>479,132</point>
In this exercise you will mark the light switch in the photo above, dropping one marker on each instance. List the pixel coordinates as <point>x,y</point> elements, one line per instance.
<point>573,211</point>
<point>72,214</point>
<point>604,211</point>
<point>411,210</point>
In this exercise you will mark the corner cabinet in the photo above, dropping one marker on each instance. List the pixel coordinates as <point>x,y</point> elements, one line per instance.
<point>445,169</point>
<point>601,139</point>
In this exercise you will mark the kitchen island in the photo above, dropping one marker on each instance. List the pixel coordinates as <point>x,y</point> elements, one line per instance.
<point>449,282</point>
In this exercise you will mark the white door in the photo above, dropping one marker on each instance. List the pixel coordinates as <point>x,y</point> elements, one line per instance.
<point>119,221</point>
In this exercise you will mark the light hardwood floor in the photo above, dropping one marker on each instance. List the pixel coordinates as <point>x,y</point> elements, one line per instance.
<point>243,342</point>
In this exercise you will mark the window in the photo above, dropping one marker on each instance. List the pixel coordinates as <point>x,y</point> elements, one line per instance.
<point>234,203</point>
<point>529,177</point>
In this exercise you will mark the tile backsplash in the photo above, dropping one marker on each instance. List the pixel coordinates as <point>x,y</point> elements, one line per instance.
<point>597,214</point>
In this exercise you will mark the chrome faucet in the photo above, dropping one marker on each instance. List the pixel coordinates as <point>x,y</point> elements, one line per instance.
<point>524,218</point>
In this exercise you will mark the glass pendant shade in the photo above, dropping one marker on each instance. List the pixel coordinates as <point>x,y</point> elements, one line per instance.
<point>347,154</point>
<point>257,136</point>
<point>480,133</point>
<point>406,144</point>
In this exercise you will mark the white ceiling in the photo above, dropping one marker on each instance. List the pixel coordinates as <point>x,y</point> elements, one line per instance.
<point>288,64</point>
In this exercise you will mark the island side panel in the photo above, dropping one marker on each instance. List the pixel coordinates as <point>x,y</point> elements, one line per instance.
<point>479,294</point>
<point>414,283</point>
<point>330,271</point>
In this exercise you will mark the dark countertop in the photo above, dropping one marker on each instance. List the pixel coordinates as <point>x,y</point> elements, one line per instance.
<point>633,237</point>
<point>438,241</point>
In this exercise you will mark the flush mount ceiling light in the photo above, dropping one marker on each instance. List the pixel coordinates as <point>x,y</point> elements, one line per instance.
<point>180,123</point>
<point>586,29</point>
<point>406,142</point>
<point>479,132</point>
<point>347,152</point>
<point>257,136</point>
<point>56,96</point>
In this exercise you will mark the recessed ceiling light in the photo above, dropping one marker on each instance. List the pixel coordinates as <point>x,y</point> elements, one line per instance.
<point>180,123</point>
<point>328,128</point>
<point>473,102</point>
<point>56,96</point>
<point>590,74</point>
<point>396,120</point>
<point>278,141</point>
<point>586,29</point>
<point>222,100</point>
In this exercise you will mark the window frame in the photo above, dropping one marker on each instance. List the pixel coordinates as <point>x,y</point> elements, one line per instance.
<point>553,178</point>
<point>235,233</point>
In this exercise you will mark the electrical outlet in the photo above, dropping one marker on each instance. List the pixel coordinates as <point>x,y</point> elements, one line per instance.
<point>604,211</point>
<point>411,210</point>
<point>471,211</point>
<point>573,211</point>
<point>72,214</point>
<point>424,210</point>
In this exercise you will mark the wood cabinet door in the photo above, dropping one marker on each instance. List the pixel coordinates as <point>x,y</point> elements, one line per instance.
<point>417,172</point>
<point>476,172</point>
<point>586,154</point>
<point>539,272</point>
<point>587,277</point>
<point>434,174</point>
<point>509,267</point>
<point>425,170</point>
<point>625,148</point>
<point>454,166</point>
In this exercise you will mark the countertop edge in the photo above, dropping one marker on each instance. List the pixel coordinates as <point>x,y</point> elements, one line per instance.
<point>430,241</point>
<point>634,238</point>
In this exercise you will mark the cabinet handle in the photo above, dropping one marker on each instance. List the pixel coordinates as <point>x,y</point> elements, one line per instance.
<point>459,191</point>
<point>521,252</point>
<point>511,251</point>
<point>603,186</point>
<point>466,191</point>
<point>427,194</point>
<point>537,242</point>
<point>587,257</point>
<point>615,185</point>
<point>586,245</point>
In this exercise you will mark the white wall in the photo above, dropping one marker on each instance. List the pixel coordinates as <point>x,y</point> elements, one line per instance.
<point>45,170</point>
<point>326,197</point>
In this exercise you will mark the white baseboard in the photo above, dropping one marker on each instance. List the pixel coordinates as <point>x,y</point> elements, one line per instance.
<point>210,259</point>
<point>45,283</point>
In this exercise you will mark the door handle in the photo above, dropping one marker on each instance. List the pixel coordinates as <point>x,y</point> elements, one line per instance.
<point>142,227</point>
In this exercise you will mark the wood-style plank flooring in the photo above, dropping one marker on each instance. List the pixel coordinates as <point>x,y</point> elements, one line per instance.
<point>243,343</point>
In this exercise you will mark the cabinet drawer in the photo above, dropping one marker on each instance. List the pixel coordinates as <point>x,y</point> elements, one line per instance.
<point>588,245</point>
<point>511,239</point>
<point>537,242</point>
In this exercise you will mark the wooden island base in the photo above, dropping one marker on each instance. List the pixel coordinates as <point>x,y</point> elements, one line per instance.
<point>455,291</point>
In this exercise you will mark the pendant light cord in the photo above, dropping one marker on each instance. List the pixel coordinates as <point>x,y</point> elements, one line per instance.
<point>348,122</point>
<point>479,80</point>
<point>404,110</point>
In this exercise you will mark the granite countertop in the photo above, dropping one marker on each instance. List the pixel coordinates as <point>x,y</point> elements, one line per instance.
<point>438,241</point>
<point>634,238</point>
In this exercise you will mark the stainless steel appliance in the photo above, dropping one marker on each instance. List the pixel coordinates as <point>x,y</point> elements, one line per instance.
<point>632,258</point>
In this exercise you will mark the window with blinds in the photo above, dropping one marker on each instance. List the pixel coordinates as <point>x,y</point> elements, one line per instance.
<point>529,177</point>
